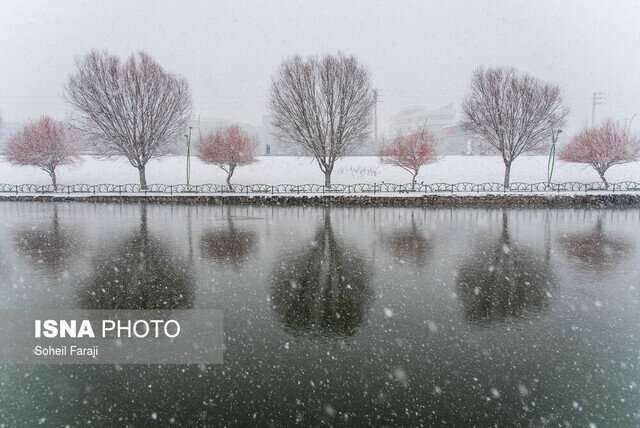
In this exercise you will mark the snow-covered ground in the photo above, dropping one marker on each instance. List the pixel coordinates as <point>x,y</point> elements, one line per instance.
<point>302,170</point>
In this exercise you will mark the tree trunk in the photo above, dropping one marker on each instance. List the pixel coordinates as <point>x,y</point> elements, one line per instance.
<point>52,173</point>
<point>604,180</point>
<point>413,181</point>
<point>327,180</point>
<point>507,173</point>
<point>143,178</point>
<point>229,175</point>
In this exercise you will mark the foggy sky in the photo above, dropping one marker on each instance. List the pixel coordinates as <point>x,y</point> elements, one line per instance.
<point>417,52</point>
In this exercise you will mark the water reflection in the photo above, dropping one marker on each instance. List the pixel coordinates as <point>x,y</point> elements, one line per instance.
<point>409,244</point>
<point>324,289</point>
<point>419,363</point>
<point>139,272</point>
<point>231,246</point>
<point>596,252</point>
<point>49,248</point>
<point>501,280</point>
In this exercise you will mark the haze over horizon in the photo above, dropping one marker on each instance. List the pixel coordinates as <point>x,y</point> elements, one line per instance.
<point>418,53</point>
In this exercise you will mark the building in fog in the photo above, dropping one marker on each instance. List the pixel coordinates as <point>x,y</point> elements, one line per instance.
<point>453,140</point>
<point>410,119</point>
<point>442,122</point>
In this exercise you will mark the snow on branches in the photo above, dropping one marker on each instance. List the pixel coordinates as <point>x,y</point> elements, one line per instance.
<point>228,148</point>
<point>47,144</point>
<point>411,152</point>
<point>513,112</point>
<point>602,147</point>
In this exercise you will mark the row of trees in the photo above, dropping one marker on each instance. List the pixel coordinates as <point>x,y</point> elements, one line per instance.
<point>323,106</point>
<point>133,109</point>
<point>48,144</point>
<point>600,147</point>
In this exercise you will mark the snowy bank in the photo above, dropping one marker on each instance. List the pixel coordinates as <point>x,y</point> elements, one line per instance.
<point>303,170</point>
<point>425,201</point>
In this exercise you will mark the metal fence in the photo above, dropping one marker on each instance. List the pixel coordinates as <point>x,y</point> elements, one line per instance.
<point>293,189</point>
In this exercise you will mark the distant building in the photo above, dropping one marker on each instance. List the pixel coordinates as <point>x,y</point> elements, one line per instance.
<point>410,119</point>
<point>453,140</point>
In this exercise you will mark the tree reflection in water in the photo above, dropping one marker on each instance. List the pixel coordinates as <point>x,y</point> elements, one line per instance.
<point>502,281</point>
<point>230,246</point>
<point>49,248</point>
<point>325,290</point>
<point>409,244</point>
<point>596,252</point>
<point>140,272</point>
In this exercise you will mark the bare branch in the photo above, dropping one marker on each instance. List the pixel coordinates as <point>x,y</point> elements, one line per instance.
<point>228,148</point>
<point>602,148</point>
<point>514,113</point>
<point>323,106</point>
<point>134,109</point>
<point>46,144</point>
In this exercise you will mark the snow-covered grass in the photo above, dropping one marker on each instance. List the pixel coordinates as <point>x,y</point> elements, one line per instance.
<point>303,170</point>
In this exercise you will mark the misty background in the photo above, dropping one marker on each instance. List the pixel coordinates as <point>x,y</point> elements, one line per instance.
<point>419,53</point>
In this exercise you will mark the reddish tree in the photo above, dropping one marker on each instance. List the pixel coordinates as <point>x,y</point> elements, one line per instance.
<point>411,152</point>
<point>47,144</point>
<point>602,148</point>
<point>228,148</point>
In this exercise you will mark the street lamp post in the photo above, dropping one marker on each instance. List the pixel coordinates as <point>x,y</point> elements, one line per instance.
<point>188,138</point>
<point>552,154</point>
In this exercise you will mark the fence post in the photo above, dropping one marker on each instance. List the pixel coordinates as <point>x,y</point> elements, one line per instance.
<point>120,189</point>
<point>272,189</point>
<point>374,187</point>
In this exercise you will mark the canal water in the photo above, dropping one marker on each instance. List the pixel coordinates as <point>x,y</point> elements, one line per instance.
<point>338,316</point>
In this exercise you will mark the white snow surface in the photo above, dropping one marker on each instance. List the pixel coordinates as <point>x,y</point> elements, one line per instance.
<point>303,170</point>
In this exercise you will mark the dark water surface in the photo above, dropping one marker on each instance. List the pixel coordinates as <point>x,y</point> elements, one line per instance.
<point>406,316</point>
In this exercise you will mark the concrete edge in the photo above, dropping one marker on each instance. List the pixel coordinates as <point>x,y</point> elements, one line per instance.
<point>519,200</point>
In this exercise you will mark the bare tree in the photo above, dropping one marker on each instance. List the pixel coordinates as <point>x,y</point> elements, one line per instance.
<point>134,109</point>
<point>324,106</point>
<point>514,113</point>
